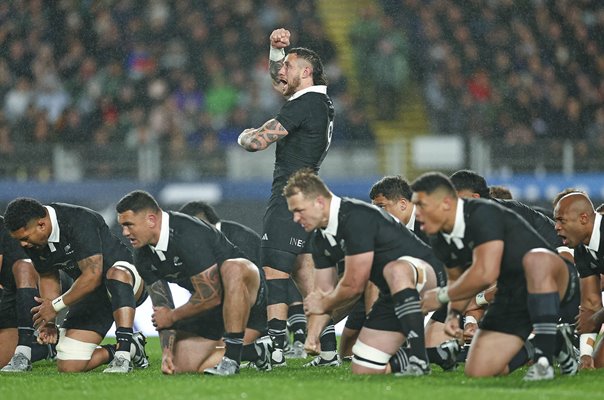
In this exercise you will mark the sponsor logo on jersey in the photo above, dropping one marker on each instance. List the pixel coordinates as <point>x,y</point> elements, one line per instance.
<point>265,237</point>
<point>177,262</point>
<point>296,242</point>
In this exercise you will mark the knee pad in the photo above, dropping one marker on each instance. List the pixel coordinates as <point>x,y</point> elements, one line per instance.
<point>369,357</point>
<point>280,260</point>
<point>293,294</point>
<point>277,291</point>
<point>120,293</point>
<point>72,349</point>
<point>137,281</point>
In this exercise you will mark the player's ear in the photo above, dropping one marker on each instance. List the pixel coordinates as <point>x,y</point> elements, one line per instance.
<point>403,204</point>
<point>151,220</point>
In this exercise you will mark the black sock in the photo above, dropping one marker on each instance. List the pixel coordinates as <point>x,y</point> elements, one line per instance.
<point>328,338</point>
<point>110,350</point>
<point>399,361</point>
<point>233,342</point>
<point>297,322</point>
<point>409,313</point>
<point>526,353</point>
<point>38,351</point>
<point>124,338</point>
<point>277,332</point>
<point>249,352</point>
<point>25,302</point>
<point>544,309</point>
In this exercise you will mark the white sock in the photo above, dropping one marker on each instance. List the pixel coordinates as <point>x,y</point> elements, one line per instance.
<point>328,355</point>
<point>25,350</point>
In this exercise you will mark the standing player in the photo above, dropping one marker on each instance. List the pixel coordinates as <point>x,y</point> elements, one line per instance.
<point>376,248</point>
<point>106,285</point>
<point>482,243</point>
<point>227,291</point>
<point>18,287</point>
<point>581,228</point>
<point>302,130</point>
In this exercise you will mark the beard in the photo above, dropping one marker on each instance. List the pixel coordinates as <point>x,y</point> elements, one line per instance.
<point>292,87</point>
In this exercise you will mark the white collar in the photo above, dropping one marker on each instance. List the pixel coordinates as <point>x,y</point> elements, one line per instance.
<point>459,228</point>
<point>411,224</point>
<point>55,233</point>
<point>334,210</point>
<point>594,242</point>
<point>315,88</point>
<point>218,225</point>
<point>164,232</point>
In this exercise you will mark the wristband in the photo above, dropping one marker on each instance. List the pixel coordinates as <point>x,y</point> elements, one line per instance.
<point>276,54</point>
<point>443,295</point>
<point>481,300</point>
<point>469,320</point>
<point>586,344</point>
<point>58,304</point>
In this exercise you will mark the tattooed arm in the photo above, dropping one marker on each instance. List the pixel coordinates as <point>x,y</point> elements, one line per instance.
<point>207,295</point>
<point>161,296</point>
<point>260,138</point>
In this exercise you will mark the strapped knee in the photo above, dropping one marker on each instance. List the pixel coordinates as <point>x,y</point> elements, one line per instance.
<point>120,293</point>
<point>369,357</point>
<point>72,349</point>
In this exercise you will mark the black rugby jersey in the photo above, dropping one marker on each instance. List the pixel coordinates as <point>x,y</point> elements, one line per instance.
<point>186,247</point>
<point>587,263</point>
<point>308,118</point>
<point>243,237</point>
<point>11,251</point>
<point>540,222</point>
<point>485,221</point>
<point>358,227</point>
<point>77,233</point>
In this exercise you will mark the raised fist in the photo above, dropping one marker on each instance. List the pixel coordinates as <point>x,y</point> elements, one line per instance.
<point>280,38</point>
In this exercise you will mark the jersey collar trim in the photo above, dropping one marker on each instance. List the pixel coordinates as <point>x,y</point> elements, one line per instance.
<point>316,89</point>
<point>55,234</point>
<point>164,233</point>
<point>459,228</point>
<point>594,242</point>
<point>334,211</point>
<point>411,224</point>
<point>219,225</point>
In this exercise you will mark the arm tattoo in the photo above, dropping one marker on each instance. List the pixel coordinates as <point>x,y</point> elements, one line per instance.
<point>274,67</point>
<point>92,263</point>
<point>161,296</point>
<point>261,138</point>
<point>207,286</point>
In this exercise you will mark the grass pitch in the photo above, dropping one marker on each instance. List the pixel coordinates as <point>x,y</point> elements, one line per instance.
<point>292,382</point>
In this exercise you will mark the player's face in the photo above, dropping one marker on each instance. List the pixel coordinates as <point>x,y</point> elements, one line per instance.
<point>568,226</point>
<point>307,212</point>
<point>289,75</point>
<point>392,206</point>
<point>136,227</point>
<point>429,211</point>
<point>34,235</point>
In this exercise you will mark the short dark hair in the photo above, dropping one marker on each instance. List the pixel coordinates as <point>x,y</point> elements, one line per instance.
<point>136,201</point>
<point>433,181</point>
<point>391,187</point>
<point>318,72</point>
<point>194,208</point>
<point>466,179</point>
<point>21,211</point>
<point>500,192</point>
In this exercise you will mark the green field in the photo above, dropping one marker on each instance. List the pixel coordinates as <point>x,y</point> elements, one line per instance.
<point>292,382</point>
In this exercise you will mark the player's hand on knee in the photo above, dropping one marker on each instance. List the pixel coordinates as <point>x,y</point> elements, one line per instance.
<point>280,38</point>
<point>48,334</point>
<point>162,318</point>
